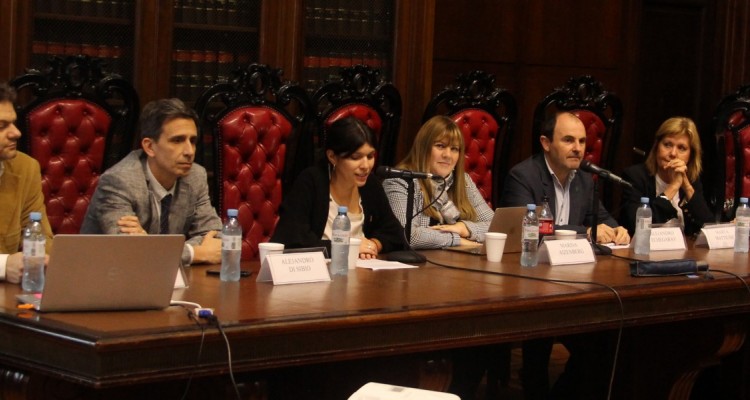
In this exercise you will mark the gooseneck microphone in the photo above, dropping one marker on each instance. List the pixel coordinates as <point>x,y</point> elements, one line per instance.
<point>388,172</point>
<point>588,166</point>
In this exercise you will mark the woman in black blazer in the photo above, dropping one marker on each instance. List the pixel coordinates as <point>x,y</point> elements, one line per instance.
<point>344,177</point>
<point>670,178</point>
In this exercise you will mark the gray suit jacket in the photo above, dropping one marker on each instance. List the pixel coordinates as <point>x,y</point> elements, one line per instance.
<point>529,181</point>
<point>125,190</point>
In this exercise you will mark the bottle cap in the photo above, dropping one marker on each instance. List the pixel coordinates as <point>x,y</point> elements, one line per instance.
<point>531,206</point>
<point>343,209</point>
<point>743,199</point>
<point>644,200</point>
<point>35,216</point>
<point>232,212</point>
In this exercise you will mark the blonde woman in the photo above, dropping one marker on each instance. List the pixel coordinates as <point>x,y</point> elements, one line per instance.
<point>457,217</point>
<point>670,178</point>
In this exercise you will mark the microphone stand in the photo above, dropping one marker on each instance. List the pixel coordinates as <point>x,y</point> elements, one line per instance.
<point>599,249</point>
<point>408,256</point>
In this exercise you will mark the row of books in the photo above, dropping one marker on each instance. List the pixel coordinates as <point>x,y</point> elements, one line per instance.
<point>89,8</point>
<point>319,69</point>
<point>340,19</point>
<point>217,12</point>
<point>194,71</point>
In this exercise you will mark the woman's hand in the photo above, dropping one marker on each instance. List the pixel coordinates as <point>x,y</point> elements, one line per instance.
<point>368,248</point>
<point>677,171</point>
<point>459,228</point>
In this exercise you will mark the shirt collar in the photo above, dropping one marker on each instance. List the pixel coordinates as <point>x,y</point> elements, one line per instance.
<point>571,174</point>
<point>156,188</point>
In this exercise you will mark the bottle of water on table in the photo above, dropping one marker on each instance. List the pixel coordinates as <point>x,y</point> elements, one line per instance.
<point>340,243</point>
<point>34,243</point>
<point>231,248</point>
<point>742,226</point>
<point>642,243</point>
<point>530,242</point>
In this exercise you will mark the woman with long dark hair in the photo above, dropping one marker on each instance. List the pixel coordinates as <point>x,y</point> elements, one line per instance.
<point>343,178</point>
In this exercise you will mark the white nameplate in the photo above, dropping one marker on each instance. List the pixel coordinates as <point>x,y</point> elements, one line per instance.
<point>294,268</point>
<point>719,236</point>
<point>180,282</point>
<point>667,238</point>
<point>565,252</point>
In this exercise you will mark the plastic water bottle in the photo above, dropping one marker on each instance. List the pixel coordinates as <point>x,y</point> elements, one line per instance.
<point>34,243</point>
<point>546,219</point>
<point>231,248</point>
<point>530,243</point>
<point>643,228</point>
<point>340,243</point>
<point>741,226</point>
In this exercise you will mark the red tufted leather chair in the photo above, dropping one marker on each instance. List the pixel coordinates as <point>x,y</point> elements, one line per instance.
<point>732,133</point>
<point>601,114</point>
<point>260,140</point>
<point>486,116</point>
<point>76,121</point>
<point>361,93</point>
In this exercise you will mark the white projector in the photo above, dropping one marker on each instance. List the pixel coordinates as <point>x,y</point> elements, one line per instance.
<point>379,391</point>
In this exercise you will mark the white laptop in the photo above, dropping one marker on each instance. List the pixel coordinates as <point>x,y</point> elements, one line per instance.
<point>109,272</point>
<point>506,220</point>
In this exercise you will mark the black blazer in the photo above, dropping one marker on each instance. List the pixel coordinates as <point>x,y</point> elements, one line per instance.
<point>530,181</point>
<point>304,213</point>
<point>695,212</point>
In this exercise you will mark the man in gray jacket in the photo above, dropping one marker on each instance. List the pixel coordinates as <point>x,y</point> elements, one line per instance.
<point>159,188</point>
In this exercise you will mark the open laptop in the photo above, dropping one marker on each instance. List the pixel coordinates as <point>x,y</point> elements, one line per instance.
<point>506,220</point>
<point>109,272</point>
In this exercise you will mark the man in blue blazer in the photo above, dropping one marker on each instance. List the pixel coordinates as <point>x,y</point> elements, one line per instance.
<point>554,174</point>
<point>159,188</point>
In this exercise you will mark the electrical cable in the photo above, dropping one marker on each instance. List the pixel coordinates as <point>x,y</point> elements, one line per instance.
<point>611,289</point>
<point>215,320</point>
<point>192,316</point>
<point>184,304</point>
<point>747,287</point>
<point>409,220</point>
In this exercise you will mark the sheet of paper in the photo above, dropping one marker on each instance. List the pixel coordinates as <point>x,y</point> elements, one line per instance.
<point>375,264</point>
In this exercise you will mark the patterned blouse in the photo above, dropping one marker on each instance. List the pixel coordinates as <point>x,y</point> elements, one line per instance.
<point>422,237</point>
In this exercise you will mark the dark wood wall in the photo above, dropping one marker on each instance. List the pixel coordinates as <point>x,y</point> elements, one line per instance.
<point>661,57</point>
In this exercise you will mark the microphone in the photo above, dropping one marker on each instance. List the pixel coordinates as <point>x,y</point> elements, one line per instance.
<point>588,166</point>
<point>388,172</point>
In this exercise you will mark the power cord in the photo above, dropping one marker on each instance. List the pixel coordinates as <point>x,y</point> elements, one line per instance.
<point>734,275</point>
<point>610,288</point>
<point>202,327</point>
<point>196,312</point>
<point>215,320</point>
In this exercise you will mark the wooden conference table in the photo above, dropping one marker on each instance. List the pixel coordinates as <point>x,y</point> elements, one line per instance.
<point>674,326</point>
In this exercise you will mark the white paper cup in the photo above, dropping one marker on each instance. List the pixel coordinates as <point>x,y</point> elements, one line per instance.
<point>267,248</point>
<point>565,234</point>
<point>354,251</point>
<point>494,243</point>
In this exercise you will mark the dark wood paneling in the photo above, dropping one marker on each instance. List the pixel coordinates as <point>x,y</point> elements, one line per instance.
<point>586,33</point>
<point>670,80</point>
<point>492,26</point>
<point>413,65</point>
<point>534,46</point>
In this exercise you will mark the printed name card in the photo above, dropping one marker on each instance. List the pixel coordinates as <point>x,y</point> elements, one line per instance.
<point>564,252</point>
<point>288,268</point>
<point>667,238</point>
<point>719,236</point>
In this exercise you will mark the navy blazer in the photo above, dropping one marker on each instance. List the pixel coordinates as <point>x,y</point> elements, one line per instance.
<point>530,181</point>
<point>695,212</point>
